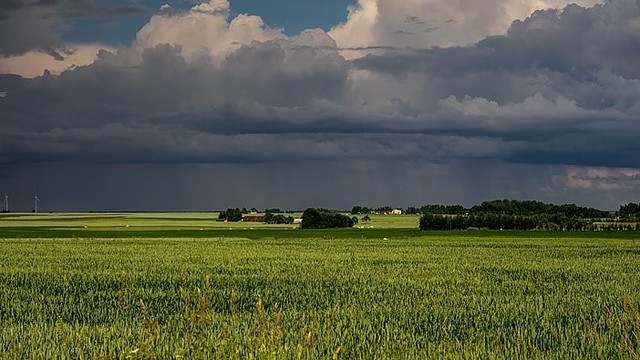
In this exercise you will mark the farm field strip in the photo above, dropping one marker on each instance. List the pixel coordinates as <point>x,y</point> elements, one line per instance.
<point>308,294</point>
<point>309,298</point>
<point>151,221</point>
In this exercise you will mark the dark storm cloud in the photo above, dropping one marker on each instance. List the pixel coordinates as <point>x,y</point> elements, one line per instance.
<point>71,8</point>
<point>37,24</point>
<point>508,98</point>
<point>72,186</point>
<point>27,28</point>
<point>602,36</point>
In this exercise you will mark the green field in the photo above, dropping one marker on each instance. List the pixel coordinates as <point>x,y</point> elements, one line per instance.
<point>156,221</point>
<point>163,288</point>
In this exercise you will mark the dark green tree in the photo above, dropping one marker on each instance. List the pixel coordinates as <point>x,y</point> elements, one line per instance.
<point>313,218</point>
<point>233,215</point>
<point>629,211</point>
<point>271,218</point>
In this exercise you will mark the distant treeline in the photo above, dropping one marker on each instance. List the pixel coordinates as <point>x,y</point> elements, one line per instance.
<point>495,215</point>
<point>532,215</point>
<point>494,221</point>
<point>511,207</point>
<point>434,209</point>
<point>630,211</point>
<point>437,209</point>
<point>517,207</point>
<point>362,210</point>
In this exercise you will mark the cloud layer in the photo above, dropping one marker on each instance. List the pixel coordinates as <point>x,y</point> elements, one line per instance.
<point>556,88</point>
<point>426,23</point>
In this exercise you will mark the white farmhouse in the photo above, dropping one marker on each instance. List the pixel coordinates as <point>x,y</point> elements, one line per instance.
<point>396,212</point>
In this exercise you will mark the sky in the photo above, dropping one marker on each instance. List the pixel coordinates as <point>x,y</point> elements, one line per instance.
<point>183,105</point>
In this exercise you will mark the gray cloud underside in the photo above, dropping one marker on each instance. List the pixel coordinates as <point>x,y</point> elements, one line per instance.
<point>73,8</point>
<point>558,88</point>
<point>36,24</point>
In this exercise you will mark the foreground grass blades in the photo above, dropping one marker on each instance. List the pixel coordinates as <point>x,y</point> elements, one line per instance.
<point>452,295</point>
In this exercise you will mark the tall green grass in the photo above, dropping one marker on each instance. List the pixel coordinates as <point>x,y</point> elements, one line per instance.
<point>442,296</point>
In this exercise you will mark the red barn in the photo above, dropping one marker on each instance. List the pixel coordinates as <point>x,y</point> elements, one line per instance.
<point>253,218</point>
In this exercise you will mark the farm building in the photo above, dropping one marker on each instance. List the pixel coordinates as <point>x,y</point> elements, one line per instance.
<point>396,212</point>
<point>253,218</point>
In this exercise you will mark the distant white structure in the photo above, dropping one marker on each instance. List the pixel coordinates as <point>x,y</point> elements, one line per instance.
<point>35,204</point>
<point>6,202</point>
<point>396,212</point>
<point>297,221</point>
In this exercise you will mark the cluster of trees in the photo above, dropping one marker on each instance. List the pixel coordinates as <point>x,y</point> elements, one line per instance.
<point>518,207</point>
<point>233,215</point>
<point>271,218</point>
<point>506,207</point>
<point>629,211</point>
<point>313,218</point>
<point>495,221</point>
<point>534,215</point>
<point>437,209</point>
<point>278,211</point>
<point>517,215</point>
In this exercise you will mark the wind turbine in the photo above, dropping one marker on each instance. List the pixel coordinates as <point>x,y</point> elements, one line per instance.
<point>6,202</point>
<point>35,203</point>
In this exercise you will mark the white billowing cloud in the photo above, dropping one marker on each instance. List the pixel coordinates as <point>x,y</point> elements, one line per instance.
<point>213,7</point>
<point>204,30</point>
<point>35,63</point>
<point>427,23</point>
